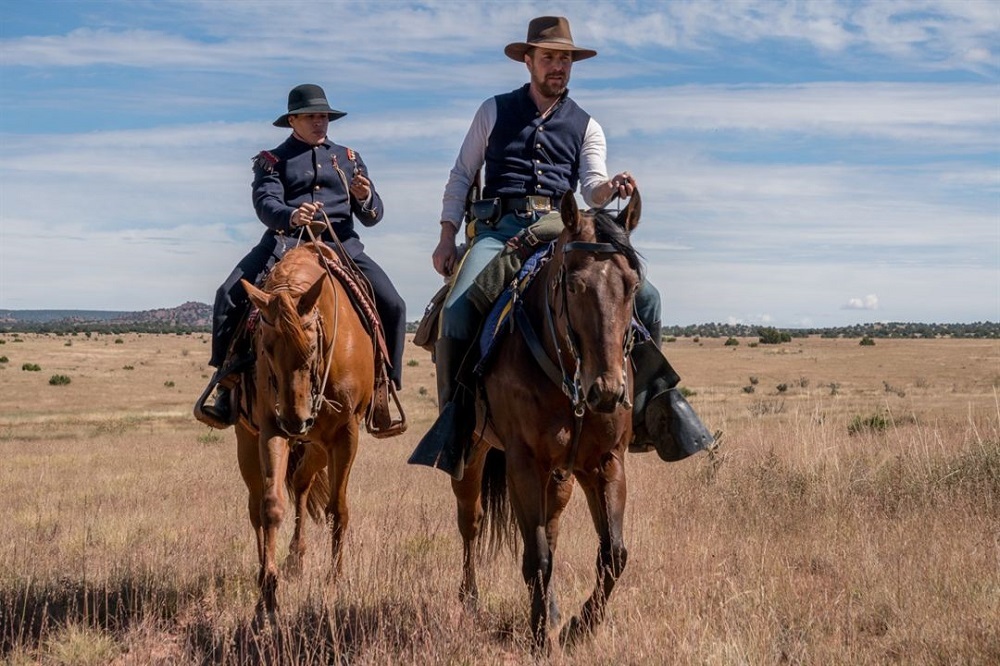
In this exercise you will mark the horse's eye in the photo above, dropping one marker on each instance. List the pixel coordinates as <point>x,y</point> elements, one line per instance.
<point>575,286</point>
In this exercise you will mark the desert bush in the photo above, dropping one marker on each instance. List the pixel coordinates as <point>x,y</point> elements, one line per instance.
<point>766,407</point>
<point>59,380</point>
<point>119,341</point>
<point>782,387</point>
<point>750,388</point>
<point>867,342</point>
<point>686,392</point>
<point>169,383</point>
<point>889,388</point>
<point>731,342</point>
<point>4,359</point>
<point>412,363</point>
<point>878,422</point>
<point>128,367</point>
<point>772,336</point>
<point>31,367</point>
<point>754,380</point>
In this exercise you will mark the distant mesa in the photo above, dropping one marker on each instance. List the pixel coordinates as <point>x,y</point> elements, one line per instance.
<point>191,316</point>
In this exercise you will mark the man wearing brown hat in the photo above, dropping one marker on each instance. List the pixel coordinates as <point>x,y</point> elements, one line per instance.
<point>533,144</point>
<point>294,184</point>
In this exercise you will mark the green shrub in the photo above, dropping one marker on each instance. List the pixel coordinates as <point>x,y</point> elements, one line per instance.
<point>874,423</point>
<point>119,341</point>
<point>867,342</point>
<point>413,363</point>
<point>4,359</point>
<point>169,383</point>
<point>686,392</point>
<point>31,367</point>
<point>772,336</point>
<point>732,342</point>
<point>59,380</point>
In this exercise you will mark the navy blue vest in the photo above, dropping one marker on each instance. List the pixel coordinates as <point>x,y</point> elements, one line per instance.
<point>527,154</point>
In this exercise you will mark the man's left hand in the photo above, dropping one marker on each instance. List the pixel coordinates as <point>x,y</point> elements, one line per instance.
<point>361,187</point>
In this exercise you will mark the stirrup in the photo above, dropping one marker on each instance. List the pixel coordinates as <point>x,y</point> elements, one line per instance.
<point>207,417</point>
<point>379,421</point>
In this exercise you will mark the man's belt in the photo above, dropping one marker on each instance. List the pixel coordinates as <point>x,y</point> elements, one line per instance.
<point>529,204</point>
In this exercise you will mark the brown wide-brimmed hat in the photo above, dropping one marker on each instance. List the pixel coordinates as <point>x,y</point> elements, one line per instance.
<point>548,32</point>
<point>307,98</point>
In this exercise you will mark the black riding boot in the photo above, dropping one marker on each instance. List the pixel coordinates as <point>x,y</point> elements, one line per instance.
<point>661,417</point>
<point>444,445</point>
<point>221,413</point>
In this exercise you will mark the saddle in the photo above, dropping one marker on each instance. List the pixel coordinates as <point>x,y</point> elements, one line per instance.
<point>379,420</point>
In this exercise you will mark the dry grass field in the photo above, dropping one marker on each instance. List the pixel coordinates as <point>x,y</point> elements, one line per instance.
<point>851,516</point>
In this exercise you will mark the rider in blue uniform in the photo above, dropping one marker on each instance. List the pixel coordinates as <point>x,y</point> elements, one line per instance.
<point>294,184</point>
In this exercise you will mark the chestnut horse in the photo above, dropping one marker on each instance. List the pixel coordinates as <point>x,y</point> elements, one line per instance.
<point>314,379</point>
<point>556,407</point>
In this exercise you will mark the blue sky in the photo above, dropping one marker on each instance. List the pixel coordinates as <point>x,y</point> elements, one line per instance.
<point>801,163</point>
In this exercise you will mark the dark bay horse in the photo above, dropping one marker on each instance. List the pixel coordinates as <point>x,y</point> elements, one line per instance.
<point>314,378</point>
<point>556,408</point>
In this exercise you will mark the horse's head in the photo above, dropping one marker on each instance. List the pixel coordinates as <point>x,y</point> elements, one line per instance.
<point>597,273</point>
<point>290,343</point>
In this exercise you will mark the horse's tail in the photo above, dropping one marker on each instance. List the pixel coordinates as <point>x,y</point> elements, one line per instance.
<point>319,490</point>
<point>498,520</point>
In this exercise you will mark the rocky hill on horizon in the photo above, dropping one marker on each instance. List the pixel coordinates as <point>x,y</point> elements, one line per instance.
<point>190,316</point>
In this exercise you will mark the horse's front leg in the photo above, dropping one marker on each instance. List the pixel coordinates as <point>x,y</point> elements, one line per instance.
<point>248,456</point>
<point>538,500</point>
<point>468,498</point>
<point>340,454</point>
<point>274,464</point>
<point>606,491</point>
<point>310,463</point>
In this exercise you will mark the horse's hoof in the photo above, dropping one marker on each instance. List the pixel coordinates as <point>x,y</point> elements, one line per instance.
<point>293,567</point>
<point>573,632</point>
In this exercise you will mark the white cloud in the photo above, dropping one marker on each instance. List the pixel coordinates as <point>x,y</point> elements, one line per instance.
<point>869,302</point>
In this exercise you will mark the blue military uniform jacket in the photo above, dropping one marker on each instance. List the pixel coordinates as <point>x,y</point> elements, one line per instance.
<point>295,173</point>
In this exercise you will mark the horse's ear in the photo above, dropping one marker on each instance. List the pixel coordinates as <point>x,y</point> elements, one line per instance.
<point>570,212</point>
<point>629,217</point>
<point>261,299</point>
<point>308,299</point>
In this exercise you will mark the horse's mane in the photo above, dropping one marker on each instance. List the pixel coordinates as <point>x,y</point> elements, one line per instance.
<point>607,230</point>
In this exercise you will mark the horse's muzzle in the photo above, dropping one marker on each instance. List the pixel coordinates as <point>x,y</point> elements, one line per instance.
<point>295,427</point>
<point>604,397</point>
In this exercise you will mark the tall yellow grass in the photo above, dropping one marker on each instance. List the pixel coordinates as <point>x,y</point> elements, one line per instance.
<point>852,517</point>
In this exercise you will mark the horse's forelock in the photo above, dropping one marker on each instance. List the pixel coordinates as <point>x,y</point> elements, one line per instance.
<point>607,230</point>
<point>289,324</point>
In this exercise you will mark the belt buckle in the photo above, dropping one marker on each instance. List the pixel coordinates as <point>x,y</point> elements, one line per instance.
<point>539,204</point>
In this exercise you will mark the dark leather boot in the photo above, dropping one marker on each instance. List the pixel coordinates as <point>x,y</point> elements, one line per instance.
<point>221,412</point>
<point>445,444</point>
<point>661,417</point>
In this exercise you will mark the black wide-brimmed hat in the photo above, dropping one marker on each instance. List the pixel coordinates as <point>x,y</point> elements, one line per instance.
<point>548,32</point>
<point>307,98</point>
